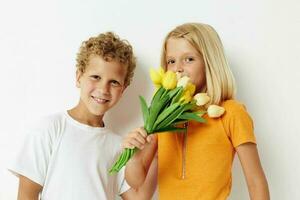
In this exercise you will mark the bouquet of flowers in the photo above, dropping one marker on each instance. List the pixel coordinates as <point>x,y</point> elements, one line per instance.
<point>173,103</point>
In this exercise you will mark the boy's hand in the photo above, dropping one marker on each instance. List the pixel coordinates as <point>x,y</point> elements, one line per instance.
<point>136,138</point>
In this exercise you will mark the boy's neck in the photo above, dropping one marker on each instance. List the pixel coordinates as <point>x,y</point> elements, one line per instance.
<point>80,115</point>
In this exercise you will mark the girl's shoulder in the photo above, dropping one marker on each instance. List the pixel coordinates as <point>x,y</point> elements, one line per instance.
<point>233,106</point>
<point>232,103</point>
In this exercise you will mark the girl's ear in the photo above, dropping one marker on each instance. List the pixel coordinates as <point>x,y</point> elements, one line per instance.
<point>78,76</point>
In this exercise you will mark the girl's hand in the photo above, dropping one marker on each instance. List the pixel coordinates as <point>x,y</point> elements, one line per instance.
<point>138,166</point>
<point>136,138</point>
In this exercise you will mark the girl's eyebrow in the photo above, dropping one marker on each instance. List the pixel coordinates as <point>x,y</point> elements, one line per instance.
<point>185,54</point>
<point>190,53</point>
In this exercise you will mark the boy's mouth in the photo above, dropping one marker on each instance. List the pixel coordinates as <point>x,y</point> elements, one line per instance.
<point>100,100</point>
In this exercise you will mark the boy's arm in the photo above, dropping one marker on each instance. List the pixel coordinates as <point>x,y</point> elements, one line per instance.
<point>255,177</point>
<point>28,190</point>
<point>147,189</point>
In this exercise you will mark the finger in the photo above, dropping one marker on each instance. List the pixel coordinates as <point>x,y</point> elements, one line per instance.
<point>149,139</point>
<point>139,137</point>
<point>142,131</point>
<point>126,144</point>
<point>136,143</point>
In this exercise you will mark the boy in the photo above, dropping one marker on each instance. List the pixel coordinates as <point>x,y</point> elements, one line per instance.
<point>68,155</point>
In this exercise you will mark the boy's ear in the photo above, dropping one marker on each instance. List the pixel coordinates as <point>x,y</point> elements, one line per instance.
<point>78,76</point>
<point>124,88</point>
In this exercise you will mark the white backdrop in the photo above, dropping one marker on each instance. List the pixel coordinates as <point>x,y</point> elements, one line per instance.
<point>39,41</point>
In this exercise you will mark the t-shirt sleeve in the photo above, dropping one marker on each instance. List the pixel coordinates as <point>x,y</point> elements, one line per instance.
<point>122,184</point>
<point>33,158</point>
<point>239,125</point>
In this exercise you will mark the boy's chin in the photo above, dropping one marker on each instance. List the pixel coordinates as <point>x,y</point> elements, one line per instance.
<point>97,113</point>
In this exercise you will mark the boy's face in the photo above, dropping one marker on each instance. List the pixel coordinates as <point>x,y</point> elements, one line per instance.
<point>101,85</point>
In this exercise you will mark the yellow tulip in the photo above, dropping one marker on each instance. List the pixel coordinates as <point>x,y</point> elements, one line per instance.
<point>201,99</point>
<point>161,71</point>
<point>191,87</point>
<point>215,111</point>
<point>183,81</point>
<point>155,76</point>
<point>186,97</point>
<point>169,80</point>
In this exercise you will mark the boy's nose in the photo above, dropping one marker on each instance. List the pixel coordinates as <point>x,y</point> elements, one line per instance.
<point>103,88</point>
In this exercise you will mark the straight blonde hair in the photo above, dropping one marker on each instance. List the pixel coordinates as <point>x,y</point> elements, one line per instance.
<point>220,83</point>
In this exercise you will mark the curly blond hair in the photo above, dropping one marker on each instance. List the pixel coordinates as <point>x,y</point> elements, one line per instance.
<point>110,47</point>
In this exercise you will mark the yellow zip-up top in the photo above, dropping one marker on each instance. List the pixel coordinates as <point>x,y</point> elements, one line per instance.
<point>197,165</point>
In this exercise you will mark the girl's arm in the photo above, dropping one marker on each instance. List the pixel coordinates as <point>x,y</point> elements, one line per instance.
<point>144,192</point>
<point>138,166</point>
<point>28,190</point>
<point>255,177</point>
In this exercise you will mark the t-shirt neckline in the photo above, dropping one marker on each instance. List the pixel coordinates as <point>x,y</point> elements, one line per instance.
<point>83,126</point>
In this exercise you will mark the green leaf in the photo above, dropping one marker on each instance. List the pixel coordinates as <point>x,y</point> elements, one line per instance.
<point>191,116</point>
<point>154,111</point>
<point>164,93</point>
<point>171,128</point>
<point>188,106</point>
<point>165,113</point>
<point>157,95</point>
<point>144,109</point>
<point>175,91</point>
<point>200,113</point>
<point>122,160</point>
<point>179,121</point>
<point>171,118</point>
<point>178,95</point>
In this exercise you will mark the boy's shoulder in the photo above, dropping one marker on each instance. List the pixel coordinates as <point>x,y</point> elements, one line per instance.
<point>49,125</point>
<point>48,121</point>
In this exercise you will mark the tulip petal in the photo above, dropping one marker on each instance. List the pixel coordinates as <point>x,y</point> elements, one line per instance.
<point>215,111</point>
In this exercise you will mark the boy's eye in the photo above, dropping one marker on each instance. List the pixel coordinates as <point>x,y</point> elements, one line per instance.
<point>115,83</point>
<point>95,77</point>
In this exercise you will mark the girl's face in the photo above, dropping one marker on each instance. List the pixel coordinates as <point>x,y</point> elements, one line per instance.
<point>182,57</point>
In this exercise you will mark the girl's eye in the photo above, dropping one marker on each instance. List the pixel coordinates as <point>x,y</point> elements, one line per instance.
<point>169,62</point>
<point>95,77</point>
<point>188,59</point>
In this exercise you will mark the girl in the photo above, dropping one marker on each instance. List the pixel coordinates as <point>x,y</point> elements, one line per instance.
<point>197,164</point>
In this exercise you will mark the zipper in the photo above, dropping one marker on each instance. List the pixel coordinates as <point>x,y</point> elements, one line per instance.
<point>184,151</point>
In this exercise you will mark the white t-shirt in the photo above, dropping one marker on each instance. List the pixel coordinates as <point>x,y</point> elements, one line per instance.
<point>71,160</point>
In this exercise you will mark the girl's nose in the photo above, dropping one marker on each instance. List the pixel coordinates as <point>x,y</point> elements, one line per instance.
<point>179,68</point>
